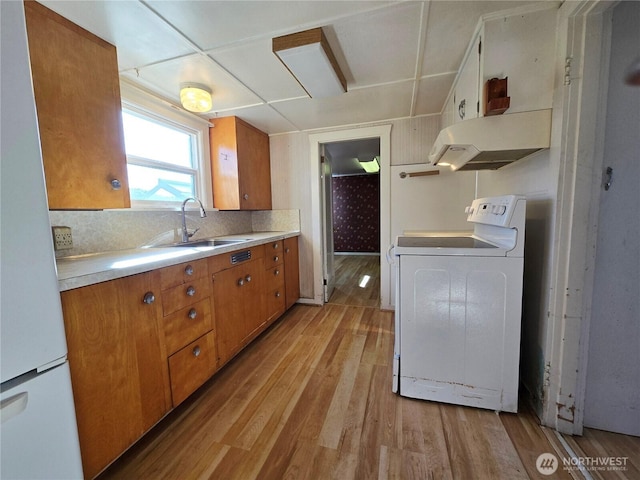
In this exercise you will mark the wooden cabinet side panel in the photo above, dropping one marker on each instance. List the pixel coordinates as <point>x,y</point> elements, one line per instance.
<point>77,93</point>
<point>118,367</point>
<point>224,164</point>
<point>292,271</point>
<point>254,167</point>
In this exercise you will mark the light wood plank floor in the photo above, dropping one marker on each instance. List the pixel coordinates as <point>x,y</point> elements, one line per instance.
<point>357,280</point>
<point>311,399</point>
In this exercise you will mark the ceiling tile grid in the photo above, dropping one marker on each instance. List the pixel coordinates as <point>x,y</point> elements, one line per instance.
<point>399,58</point>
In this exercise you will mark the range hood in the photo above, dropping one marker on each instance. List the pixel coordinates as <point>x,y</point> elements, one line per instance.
<point>488,143</point>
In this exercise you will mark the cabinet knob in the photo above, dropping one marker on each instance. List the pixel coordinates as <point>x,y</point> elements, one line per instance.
<point>196,351</point>
<point>241,282</point>
<point>245,196</point>
<point>191,291</point>
<point>276,272</point>
<point>276,258</point>
<point>149,298</point>
<point>275,245</point>
<point>192,313</point>
<point>287,250</point>
<point>277,294</point>
<point>116,184</point>
<point>248,278</point>
<point>188,270</point>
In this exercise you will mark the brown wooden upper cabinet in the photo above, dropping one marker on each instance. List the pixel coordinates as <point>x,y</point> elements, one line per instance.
<point>77,92</point>
<point>240,166</point>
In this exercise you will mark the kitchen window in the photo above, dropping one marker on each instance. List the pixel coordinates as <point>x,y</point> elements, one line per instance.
<point>167,154</point>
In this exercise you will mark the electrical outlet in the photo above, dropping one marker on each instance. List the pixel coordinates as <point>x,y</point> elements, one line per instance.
<point>62,239</point>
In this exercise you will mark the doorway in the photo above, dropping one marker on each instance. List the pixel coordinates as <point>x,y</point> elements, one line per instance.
<point>352,218</point>
<point>324,272</point>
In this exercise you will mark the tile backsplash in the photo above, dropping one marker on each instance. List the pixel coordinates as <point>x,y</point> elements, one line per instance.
<point>109,230</point>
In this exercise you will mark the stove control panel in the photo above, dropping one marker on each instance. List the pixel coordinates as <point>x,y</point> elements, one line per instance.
<point>503,211</point>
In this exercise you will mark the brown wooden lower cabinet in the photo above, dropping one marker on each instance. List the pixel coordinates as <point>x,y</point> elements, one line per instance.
<point>118,364</point>
<point>239,303</point>
<point>140,345</point>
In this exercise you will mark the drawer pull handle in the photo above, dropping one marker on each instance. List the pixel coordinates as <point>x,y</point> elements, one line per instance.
<point>192,313</point>
<point>276,272</point>
<point>248,278</point>
<point>241,282</point>
<point>149,298</point>
<point>276,258</point>
<point>191,291</point>
<point>196,351</point>
<point>116,184</point>
<point>188,270</point>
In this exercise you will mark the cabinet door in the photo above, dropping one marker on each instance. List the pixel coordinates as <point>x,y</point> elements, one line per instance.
<point>240,166</point>
<point>228,300</point>
<point>118,365</point>
<point>467,88</point>
<point>239,305</point>
<point>77,92</point>
<point>254,168</point>
<point>292,271</point>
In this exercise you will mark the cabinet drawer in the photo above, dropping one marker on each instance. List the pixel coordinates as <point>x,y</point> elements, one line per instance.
<point>275,303</point>
<point>190,367</point>
<point>184,295</point>
<point>274,254</point>
<point>275,277</point>
<point>188,323</point>
<point>183,273</point>
<point>224,261</point>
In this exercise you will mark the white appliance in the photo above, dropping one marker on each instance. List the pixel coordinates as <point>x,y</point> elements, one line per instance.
<point>39,438</point>
<point>458,309</point>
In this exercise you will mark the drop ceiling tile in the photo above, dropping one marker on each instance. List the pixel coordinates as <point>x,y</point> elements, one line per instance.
<point>263,117</point>
<point>212,24</point>
<point>449,29</point>
<point>432,93</point>
<point>354,107</point>
<point>140,36</point>
<point>378,47</point>
<point>166,77</point>
<point>255,65</point>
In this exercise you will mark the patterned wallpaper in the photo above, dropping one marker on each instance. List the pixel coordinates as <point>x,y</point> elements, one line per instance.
<point>356,213</point>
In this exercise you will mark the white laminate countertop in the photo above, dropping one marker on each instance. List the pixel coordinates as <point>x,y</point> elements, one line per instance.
<point>82,270</point>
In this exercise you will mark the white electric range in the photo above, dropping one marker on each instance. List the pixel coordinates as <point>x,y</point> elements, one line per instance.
<point>458,309</point>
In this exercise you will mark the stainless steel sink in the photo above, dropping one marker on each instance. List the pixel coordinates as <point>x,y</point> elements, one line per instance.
<point>208,242</point>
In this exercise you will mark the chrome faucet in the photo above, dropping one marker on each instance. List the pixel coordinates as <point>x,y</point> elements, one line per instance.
<point>185,235</point>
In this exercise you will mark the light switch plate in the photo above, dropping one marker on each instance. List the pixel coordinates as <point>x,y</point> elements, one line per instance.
<point>62,239</point>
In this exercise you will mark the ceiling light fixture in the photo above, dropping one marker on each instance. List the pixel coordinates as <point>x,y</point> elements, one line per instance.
<point>309,58</point>
<point>195,97</point>
<point>371,166</point>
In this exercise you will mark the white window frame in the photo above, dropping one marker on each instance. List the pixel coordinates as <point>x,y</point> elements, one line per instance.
<point>140,102</point>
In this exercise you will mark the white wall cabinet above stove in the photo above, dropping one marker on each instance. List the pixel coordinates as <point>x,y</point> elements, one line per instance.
<point>519,46</point>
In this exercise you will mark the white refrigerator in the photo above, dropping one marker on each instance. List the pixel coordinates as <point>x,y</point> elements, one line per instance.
<point>38,432</point>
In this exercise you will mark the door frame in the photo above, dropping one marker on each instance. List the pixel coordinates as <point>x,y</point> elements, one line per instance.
<point>579,110</point>
<point>383,132</point>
